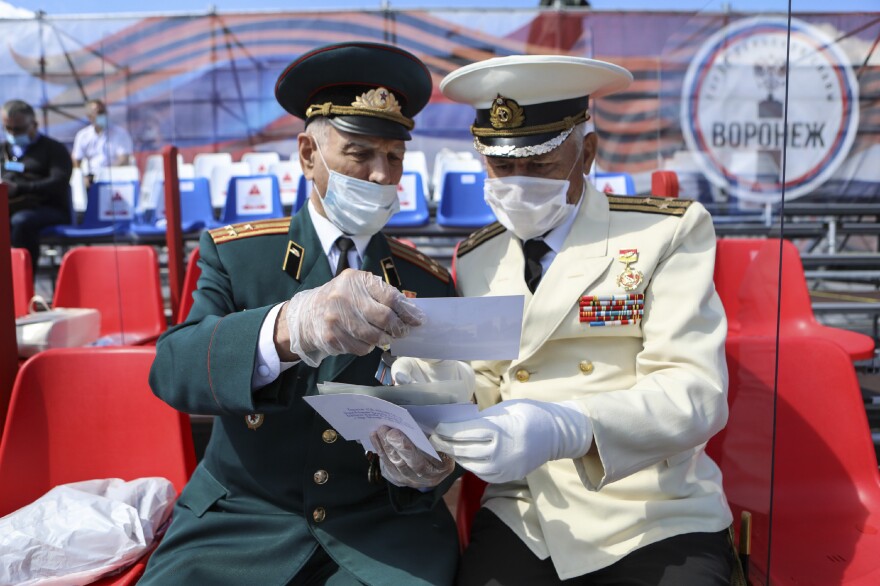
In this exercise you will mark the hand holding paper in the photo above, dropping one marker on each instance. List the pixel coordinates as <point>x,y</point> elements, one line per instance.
<point>509,440</point>
<point>351,314</point>
<point>403,464</point>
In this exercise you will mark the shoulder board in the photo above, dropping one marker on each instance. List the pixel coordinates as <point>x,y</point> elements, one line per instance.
<point>413,256</point>
<point>482,235</point>
<point>249,229</point>
<point>649,205</point>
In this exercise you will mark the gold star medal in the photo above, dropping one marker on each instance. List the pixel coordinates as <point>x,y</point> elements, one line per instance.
<point>630,278</point>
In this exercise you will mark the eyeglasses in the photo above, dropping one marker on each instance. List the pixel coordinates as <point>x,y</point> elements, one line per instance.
<point>20,129</point>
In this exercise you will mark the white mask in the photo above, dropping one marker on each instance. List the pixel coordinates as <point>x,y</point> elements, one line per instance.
<point>355,206</point>
<point>528,206</point>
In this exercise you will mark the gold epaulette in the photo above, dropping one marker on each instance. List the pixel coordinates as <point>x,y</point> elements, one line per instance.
<point>249,229</point>
<point>649,205</point>
<point>411,255</point>
<point>480,236</point>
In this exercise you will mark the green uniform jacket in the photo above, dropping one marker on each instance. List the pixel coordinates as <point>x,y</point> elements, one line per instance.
<point>254,510</point>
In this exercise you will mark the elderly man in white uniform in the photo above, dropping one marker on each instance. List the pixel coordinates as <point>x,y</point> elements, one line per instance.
<point>592,440</point>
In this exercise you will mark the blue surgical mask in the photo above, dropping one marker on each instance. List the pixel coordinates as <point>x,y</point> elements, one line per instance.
<point>355,206</point>
<point>19,140</point>
<point>101,121</point>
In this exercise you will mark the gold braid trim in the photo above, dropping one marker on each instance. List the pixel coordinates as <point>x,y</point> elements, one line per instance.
<point>328,108</point>
<point>564,124</point>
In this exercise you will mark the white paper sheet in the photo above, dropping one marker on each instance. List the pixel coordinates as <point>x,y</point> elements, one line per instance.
<point>356,416</point>
<point>465,328</point>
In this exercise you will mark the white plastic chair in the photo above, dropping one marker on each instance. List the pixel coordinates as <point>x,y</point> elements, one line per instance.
<point>120,173</point>
<point>417,162</point>
<point>154,171</point>
<point>288,174</point>
<point>260,162</point>
<point>78,190</point>
<point>220,177</point>
<point>456,162</point>
<point>204,163</point>
<point>186,171</point>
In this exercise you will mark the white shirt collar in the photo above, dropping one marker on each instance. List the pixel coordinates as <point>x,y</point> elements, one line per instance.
<point>328,233</point>
<point>556,238</point>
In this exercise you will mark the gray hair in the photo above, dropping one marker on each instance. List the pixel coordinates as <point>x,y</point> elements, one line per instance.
<point>14,108</point>
<point>319,129</point>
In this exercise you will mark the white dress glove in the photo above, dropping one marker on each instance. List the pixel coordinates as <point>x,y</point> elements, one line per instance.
<point>511,439</point>
<point>350,314</point>
<point>403,464</point>
<point>407,370</point>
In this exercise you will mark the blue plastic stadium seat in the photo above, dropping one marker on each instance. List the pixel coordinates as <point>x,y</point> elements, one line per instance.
<point>109,211</point>
<point>462,204</point>
<point>196,212</point>
<point>413,205</point>
<point>616,183</point>
<point>302,193</point>
<point>253,197</point>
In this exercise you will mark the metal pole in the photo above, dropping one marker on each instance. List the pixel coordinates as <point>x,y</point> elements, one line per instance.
<point>173,234</point>
<point>8,344</point>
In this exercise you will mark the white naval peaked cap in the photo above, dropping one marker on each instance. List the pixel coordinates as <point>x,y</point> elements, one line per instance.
<point>528,104</point>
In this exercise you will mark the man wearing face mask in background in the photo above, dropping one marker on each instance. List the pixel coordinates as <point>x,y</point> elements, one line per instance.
<point>36,170</point>
<point>100,144</point>
<point>592,440</point>
<point>283,305</point>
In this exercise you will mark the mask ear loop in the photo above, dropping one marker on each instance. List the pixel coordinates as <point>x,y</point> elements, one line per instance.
<point>323,161</point>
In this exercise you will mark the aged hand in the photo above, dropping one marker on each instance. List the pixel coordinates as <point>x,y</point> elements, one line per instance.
<point>351,314</point>
<point>511,439</point>
<point>403,464</point>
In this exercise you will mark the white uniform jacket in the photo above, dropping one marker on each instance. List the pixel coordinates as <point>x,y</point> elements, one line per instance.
<point>655,390</point>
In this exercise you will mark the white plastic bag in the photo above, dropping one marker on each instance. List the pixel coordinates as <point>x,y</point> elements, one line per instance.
<point>78,532</point>
<point>62,327</point>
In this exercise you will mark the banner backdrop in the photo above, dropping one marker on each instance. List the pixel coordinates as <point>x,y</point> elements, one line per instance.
<point>708,99</point>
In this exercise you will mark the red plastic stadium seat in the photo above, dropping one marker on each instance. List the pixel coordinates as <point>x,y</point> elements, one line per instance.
<point>732,257</point>
<point>472,488</point>
<point>84,413</point>
<point>22,280</point>
<point>664,184</point>
<point>121,282</point>
<point>825,482</point>
<point>757,284</point>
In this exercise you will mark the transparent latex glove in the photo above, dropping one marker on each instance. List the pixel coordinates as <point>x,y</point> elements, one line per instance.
<point>351,314</point>
<point>424,370</point>
<point>511,439</point>
<point>403,464</point>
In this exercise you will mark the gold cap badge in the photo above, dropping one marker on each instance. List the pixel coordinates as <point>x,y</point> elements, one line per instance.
<point>506,113</point>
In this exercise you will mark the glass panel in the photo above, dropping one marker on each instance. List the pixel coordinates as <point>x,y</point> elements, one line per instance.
<point>714,93</point>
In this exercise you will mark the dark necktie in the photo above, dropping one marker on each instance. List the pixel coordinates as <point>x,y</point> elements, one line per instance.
<point>344,244</point>
<point>534,250</point>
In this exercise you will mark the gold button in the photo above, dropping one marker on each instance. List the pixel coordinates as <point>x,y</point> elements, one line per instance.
<point>319,514</point>
<point>329,436</point>
<point>522,375</point>
<point>321,476</point>
<point>586,366</point>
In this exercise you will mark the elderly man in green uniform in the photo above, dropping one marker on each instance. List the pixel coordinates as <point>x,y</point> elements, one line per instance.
<point>283,305</point>
<point>592,440</point>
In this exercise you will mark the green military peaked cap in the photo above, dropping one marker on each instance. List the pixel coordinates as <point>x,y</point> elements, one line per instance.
<point>362,88</point>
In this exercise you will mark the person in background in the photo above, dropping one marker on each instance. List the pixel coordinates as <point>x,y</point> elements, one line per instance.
<point>283,305</point>
<point>100,144</point>
<point>592,440</point>
<point>36,171</point>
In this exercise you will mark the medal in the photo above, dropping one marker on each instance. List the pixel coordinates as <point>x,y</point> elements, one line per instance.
<point>630,278</point>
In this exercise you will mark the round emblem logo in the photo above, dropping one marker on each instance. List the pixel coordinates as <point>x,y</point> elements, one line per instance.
<point>733,108</point>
